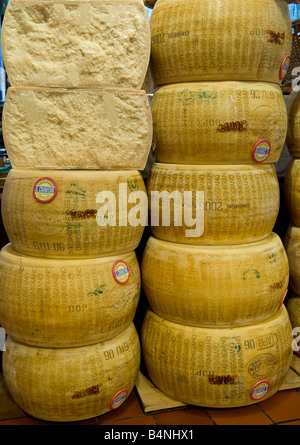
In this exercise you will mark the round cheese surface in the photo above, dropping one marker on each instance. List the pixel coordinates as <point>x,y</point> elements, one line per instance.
<point>72,384</point>
<point>196,40</point>
<point>77,214</point>
<point>66,303</point>
<point>215,286</point>
<point>226,204</point>
<point>218,368</point>
<point>219,123</point>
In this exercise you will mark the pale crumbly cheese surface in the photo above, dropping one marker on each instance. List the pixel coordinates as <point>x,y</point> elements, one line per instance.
<point>76,43</point>
<point>77,128</point>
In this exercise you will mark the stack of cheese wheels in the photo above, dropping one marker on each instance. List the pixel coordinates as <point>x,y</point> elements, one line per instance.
<point>292,203</point>
<point>215,275</point>
<point>78,129</point>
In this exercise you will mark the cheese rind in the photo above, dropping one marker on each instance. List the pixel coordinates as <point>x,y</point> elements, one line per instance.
<point>292,191</point>
<point>218,122</point>
<point>88,213</point>
<point>66,303</point>
<point>292,247</point>
<point>93,129</point>
<point>71,384</point>
<point>215,286</point>
<point>74,44</point>
<point>224,204</point>
<point>195,40</point>
<point>293,132</point>
<point>293,308</point>
<point>218,368</point>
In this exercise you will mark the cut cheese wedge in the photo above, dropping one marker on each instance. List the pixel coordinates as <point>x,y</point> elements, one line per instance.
<point>292,191</point>
<point>218,368</point>
<point>226,204</point>
<point>219,123</point>
<point>71,384</point>
<point>292,246</point>
<point>196,40</point>
<point>67,303</point>
<point>73,44</point>
<point>77,128</point>
<point>215,286</point>
<point>65,213</point>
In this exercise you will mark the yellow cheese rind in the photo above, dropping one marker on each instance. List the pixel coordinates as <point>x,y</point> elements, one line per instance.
<point>87,217</point>
<point>195,40</point>
<point>292,191</point>
<point>65,303</point>
<point>71,384</point>
<point>74,44</point>
<point>292,247</point>
<point>217,368</point>
<point>293,132</point>
<point>218,122</point>
<point>240,203</point>
<point>293,308</point>
<point>77,128</point>
<point>213,286</point>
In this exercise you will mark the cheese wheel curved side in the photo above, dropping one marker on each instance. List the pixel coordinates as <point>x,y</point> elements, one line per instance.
<point>218,368</point>
<point>219,122</point>
<point>226,204</point>
<point>72,384</point>
<point>67,303</point>
<point>215,286</point>
<point>73,214</point>
<point>229,40</point>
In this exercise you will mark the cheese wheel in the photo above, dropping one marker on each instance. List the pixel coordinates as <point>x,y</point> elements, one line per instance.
<point>218,368</point>
<point>72,384</point>
<point>73,44</point>
<point>293,131</point>
<point>293,307</point>
<point>215,286</point>
<point>292,191</point>
<point>224,204</point>
<point>196,40</point>
<point>219,123</point>
<point>292,247</point>
<point>64,213</point>
<point>66,303</point>
<point>77,128</point>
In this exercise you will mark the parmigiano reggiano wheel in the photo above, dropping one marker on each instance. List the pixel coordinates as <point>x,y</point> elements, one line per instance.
<point>292,247</point>
<point>226,204</point>
<point>73,213</point>
<point>83,43</point>
<point>219,123</point>
<point>196,40</point>
<point>218,368</point>
<point>293,131</point>
<point>72,384</point>
<point>212,286</point>
<point>77,128</point>
<point>292,191</point>
<point>293,307</point>
<point>66,303</point>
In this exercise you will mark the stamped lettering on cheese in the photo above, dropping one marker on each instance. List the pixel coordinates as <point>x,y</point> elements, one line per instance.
<point>45,190</point>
